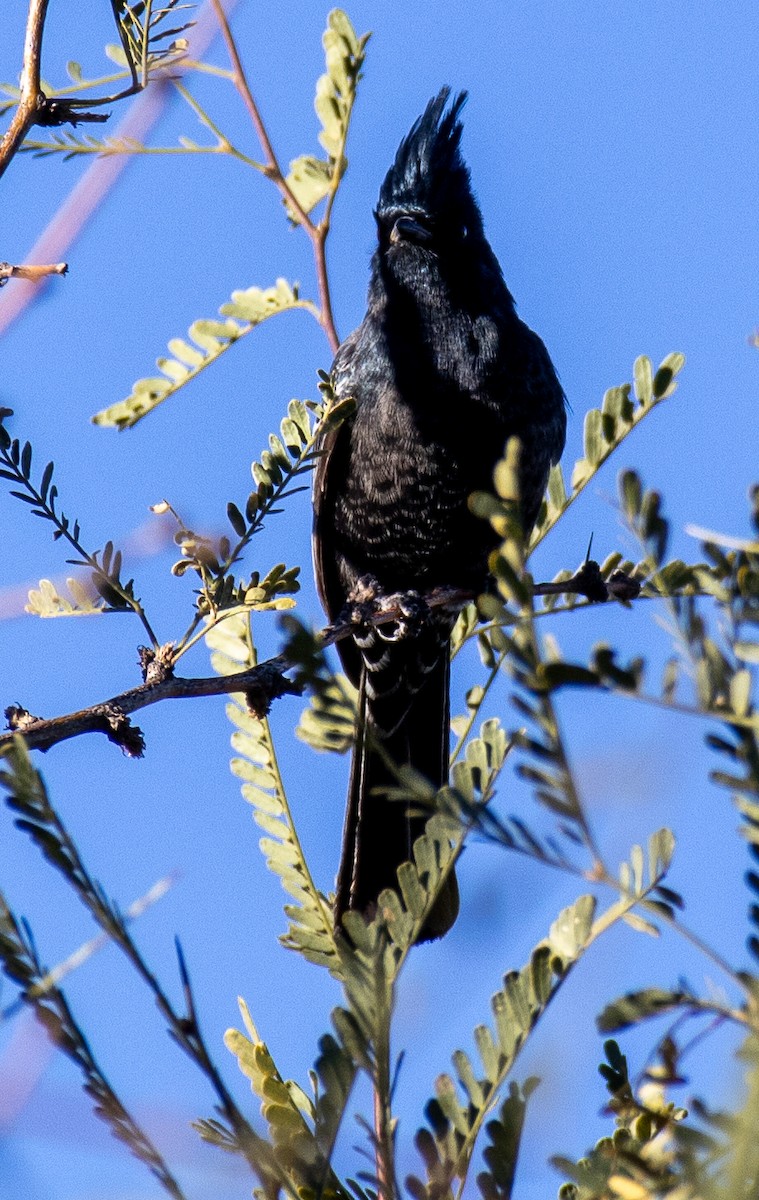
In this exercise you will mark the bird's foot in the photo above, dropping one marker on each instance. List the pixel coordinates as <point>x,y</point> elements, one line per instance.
<point>410,613</point>
<point>362,604</point>
<point>392,617</point>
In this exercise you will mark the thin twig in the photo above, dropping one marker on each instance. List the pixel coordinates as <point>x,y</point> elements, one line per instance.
<point>89,192</point>
<point>703,947</point>
<point>322,281</point>
<point>384,1149</point>
<point>263,683</point>
<point>33,272</point>
<point>317,234</point>
<point>239,78</point>
<point>47,829</point>
<point>56,974</point>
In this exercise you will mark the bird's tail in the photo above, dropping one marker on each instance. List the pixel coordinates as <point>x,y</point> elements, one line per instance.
<point>379,831</point>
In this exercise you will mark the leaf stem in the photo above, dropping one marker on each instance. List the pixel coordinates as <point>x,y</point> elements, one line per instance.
<point>475,709</point>
<point>20,474</point>
<point>279,786</point>
<point>637,416</point>
<point>317,234</point>
<point>30,797</point>
<point>224,146</point>
<point>384,1146</point>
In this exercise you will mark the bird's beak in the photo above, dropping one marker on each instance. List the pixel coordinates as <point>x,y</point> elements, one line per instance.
<point>406,229</point>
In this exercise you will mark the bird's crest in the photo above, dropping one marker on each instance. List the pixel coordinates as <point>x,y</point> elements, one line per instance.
<point>428,166</point>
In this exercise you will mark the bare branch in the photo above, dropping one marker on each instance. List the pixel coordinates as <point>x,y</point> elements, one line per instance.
<point>273,169</point>
<point>264,683</point>
<point>88,193</point>
<point>34,107</point>
<point>267,681</point>
<point>32,96</point>
<point>322,280</point>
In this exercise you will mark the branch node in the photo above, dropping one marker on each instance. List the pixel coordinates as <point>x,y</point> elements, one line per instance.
<point>18,719</point>
<point>589,582</point>
<point>62,111</point>
<point>271,683</point>
<point>117,727</point>
<point>156,665</point>
<point>622,586</point>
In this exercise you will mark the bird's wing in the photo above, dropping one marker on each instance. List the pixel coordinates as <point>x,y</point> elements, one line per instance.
<point>330,470</point>
<point>325,567</point>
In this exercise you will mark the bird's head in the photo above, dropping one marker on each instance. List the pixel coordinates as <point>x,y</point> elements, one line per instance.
<point>426,200</point>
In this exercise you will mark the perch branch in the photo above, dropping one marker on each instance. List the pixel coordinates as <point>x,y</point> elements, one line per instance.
<point>112,717</point>
<point>268,680</point>
<point>34,107</point>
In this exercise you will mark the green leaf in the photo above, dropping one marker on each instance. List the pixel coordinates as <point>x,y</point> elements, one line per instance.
<point>664,384</point>
<point>740,692</point>
<point>593,437</point>
<point>635,1007</point>
<point>328,723</point>
<point>236,519</point>
<point>640,924</point>
<point>643,375</point>
<point>116,54</point>
<point>604,430</point>
<point>557,492</point>
<point>310,180</point>
<point>455,1124</point>
<point>564,674</point>
<point>310,927</point>
<point>208,341</point>
<point>302,1130</point>
<point>661,847</point>
<point>46,601</point>
<point>747,651</point>
<point>504,1133</point>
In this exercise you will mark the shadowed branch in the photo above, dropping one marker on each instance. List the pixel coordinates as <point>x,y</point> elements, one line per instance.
<point>260,684</point>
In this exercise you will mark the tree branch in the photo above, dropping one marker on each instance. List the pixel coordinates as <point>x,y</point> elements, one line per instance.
<point>262,684</point>
<point>32,96</point>
<point>34,107</point>
<point>589,582</point>
<point>89,192</point>
<point>267,681</point>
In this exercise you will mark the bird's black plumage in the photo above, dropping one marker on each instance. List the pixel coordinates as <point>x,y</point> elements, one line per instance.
<point>443,372</point>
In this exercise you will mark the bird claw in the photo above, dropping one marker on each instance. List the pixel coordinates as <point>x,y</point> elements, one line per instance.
<point>362,604</point>
<point>393,618</point>
<point>413,612</point>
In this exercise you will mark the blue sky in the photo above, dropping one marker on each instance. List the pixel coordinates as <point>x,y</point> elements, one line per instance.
<point>613,152</point>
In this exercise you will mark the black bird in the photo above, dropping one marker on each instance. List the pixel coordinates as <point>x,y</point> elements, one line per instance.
<point>443,372</point>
